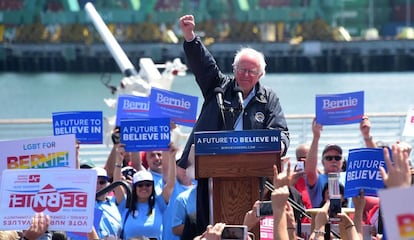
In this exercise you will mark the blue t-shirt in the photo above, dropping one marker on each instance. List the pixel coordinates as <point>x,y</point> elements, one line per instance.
<point>167,232</point>
<point>158,182</point>
<point>110,223</point>
<point>315,192</point>
<point>139,223</point>
<point>184,205</point>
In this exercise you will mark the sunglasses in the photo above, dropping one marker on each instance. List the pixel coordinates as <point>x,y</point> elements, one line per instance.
<point>330,158</point>
<point>146,184</point>
<point>102,182</point>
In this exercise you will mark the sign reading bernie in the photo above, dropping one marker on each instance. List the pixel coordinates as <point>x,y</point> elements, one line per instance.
<point>337,109</point>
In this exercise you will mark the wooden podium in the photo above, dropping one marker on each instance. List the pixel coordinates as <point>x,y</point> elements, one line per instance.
<point>235,182</point>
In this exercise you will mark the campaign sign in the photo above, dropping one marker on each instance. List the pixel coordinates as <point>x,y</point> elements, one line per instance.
<point>397,212</point>
<point>82,235</point>
<point>180,108</point>
<point>266,228</point>
<point>87,126</point>
<point>145,134</point>
<point>235,142</point>
<point>66,195</point>
<point>338,109</point>
<point>45,152</point>
<point>409,123</point>
<point>130,106</point>
<point>362,171</point>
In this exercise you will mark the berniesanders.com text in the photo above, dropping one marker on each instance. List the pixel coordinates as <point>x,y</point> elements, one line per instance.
<point>238,147</point>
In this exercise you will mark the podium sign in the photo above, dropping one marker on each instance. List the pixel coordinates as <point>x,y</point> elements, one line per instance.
<point>234,162</point>
<point>236,142</point>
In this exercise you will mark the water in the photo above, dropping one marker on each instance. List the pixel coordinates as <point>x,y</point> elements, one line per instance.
<point>39,95</point>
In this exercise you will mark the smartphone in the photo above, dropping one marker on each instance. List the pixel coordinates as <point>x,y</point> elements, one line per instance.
<point>264,209</point>
<point>334,209</point>
<point>299,166</point>
<point>234,232</point>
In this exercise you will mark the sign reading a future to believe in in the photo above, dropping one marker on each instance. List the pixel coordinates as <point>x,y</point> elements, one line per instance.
<point>235,142</point>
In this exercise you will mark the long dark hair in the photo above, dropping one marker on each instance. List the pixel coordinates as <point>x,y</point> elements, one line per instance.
<point>344,203</point>
<point>134,199</point>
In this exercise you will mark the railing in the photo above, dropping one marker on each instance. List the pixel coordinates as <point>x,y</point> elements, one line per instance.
<point>386,127</point>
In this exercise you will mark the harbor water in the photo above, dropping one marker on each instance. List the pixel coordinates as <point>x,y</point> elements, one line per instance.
<point>39,95</point>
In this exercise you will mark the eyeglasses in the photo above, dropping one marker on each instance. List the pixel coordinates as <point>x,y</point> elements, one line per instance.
<point>251,73</point>
<point>330,158</point>
<point>102,182</point>
<point>140,185</point>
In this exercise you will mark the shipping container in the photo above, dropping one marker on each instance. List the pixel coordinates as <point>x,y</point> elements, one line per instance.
<point>391,29</point>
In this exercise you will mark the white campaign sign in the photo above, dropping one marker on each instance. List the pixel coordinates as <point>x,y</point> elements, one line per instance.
<point>409,123</point>
<point>397,215</point>
<point>43,152</point>
<point>66,195</point>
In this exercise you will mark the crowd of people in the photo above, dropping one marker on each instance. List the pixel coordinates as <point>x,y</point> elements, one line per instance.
<point>163,200</point>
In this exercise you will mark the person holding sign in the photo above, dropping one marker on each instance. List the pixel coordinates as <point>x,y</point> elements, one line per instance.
<point>110,223</point>
<point>331,162</point>
<point>143,216</point>
<point>230,103</point>
<point>38,227</point>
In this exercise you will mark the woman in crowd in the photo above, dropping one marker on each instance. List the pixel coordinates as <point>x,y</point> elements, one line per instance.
<point>142,217</point>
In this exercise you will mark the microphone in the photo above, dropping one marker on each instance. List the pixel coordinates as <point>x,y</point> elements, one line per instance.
<point>239,92</point>
<point>219,96</point>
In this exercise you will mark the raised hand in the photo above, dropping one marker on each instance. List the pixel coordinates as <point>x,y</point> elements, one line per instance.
<point>399,174</point>
<point>40,224</point>
<point>187,25</point>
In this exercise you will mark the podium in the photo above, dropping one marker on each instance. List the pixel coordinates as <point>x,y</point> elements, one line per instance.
<point>234,183</point>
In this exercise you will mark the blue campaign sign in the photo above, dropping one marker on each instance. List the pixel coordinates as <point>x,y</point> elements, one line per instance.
<point>180,108</point>
<point>338,109</point>
<point>87,126</point>
<point>362,171</point>
<point>130,106</point>
<point>145,134</point>
<point>236,142</point>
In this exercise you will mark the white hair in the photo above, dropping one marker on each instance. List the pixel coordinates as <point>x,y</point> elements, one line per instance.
<point>251,52</point>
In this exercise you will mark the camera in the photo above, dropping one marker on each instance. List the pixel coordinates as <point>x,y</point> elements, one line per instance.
<point>234,232</point>
<point>128,172</point>
<point>264,209</point>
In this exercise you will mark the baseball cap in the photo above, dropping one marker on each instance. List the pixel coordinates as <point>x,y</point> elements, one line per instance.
<point>101,172</point>
<point>332,147</point>
<point>142,175</point>
<point>86,163</point>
